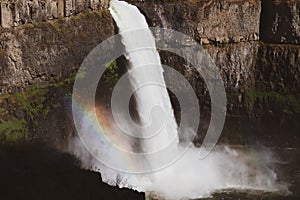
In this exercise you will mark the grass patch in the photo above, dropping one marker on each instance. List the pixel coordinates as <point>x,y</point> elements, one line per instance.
<point>13,131</point>
<point>289,102</point>
<point>33,101</point>
<point>34,104</point>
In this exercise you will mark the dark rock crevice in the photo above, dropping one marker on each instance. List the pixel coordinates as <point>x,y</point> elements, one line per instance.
<point>280,22</point>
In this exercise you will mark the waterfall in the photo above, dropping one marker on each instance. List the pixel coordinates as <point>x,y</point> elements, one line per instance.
<point>156,129</point>
<point>145,67</point>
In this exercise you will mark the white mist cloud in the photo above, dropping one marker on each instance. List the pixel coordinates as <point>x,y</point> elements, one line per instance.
<point>189,176</point>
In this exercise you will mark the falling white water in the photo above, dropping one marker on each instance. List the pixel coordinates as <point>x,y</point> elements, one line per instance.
<point>142,53</point>
<point>188,177</point>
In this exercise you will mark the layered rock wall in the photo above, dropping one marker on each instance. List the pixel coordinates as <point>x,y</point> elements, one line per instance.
<point>18,12</point>
<point>259,67</point>
<point>208,21</point>
<point>214,23</point>
<point>254,43</point>
<point>49,52</point>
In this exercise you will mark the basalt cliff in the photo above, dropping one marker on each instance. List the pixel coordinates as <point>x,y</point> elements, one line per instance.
<point>254,43</point>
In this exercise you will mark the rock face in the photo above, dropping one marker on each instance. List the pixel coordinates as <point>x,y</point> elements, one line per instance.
<point>208,21</point>
<point>18,12</point>
<point>237,63</point>
<point>236,23</point>
<point>261,79</point>
<point>253,43</point>
<point>280,63</point>
<point>49,52</point>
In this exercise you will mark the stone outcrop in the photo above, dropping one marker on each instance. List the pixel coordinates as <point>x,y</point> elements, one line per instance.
<point>261,78</point>
<point>215,23</point>
<point>237,62</point>
<point>18,12</point>
<point>278,68</point>
<point>207,21</point>
<point>51,51</point>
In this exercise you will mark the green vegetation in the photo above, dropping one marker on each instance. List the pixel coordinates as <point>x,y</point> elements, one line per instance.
<point>34,104</point>
<point>33,101</point>
<point>289,102</point>
<point>13,131</point>
<point>111,74</point>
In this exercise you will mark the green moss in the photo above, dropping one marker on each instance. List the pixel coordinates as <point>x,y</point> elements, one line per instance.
<point>289,102</point>
<point>33,101</point>
<point>111,75</point>
<point>37,102</point>
<point>13,131</point>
